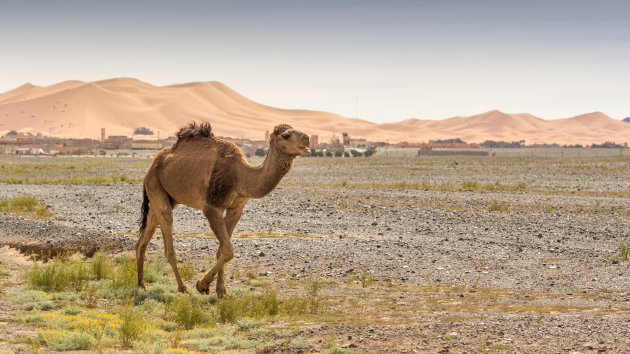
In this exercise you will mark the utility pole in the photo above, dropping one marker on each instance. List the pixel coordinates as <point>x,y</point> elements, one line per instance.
<point>356,114</point>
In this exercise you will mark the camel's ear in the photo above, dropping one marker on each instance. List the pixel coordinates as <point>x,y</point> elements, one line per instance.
<point>281,129</point>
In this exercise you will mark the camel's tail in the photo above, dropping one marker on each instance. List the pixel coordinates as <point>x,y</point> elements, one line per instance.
<point>144,210</point>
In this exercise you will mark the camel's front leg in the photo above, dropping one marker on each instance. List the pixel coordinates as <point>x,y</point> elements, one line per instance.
<point>231,218</point>
<point>217,223</point>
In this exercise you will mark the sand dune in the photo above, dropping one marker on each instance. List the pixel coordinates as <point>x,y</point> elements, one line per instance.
<point>80,109</point>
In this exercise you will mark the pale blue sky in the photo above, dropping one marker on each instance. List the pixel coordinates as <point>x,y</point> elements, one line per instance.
<point>402,59</point>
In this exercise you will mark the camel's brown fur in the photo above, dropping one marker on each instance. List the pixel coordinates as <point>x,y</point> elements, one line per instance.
<point>210,174</point>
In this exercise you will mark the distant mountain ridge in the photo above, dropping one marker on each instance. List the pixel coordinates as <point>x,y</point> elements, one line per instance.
<point>80,109</point>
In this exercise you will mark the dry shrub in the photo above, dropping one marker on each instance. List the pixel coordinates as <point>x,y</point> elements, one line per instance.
<point>102,267</point>
<point>251,305</point>
<point>132,326</point>
<point>186,311</point>
<point>186,271</point>
<point>59,274</point>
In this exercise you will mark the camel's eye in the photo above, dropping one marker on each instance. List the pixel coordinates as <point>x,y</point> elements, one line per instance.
<point>286,135</point>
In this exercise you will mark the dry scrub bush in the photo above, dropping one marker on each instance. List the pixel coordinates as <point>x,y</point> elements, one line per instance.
<point>131,327</point>
<point>187,311</point>
<point>186,271</point>
<point>59,274</point>
<point>23,204</point>
<point>65,341</point>
<point>126,275</point>
<point>102,267</point>
<point>313,303</point>
<point>498,206</point>
<point>154,269</point>
<point>253,305</point>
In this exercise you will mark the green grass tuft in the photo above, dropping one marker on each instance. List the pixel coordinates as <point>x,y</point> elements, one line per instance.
<point>23,204</point>
<point>59,274</point>
<point>186,311</point>
<point>102,267</point>
<point>252,305</point>
<point>499,206</point>
<point>186,271</point>
<point>624,251</point>
<point>131,327</point>
<point>65,341</point>
<point>154,269</point>
<point>470,185</point>
<point>126,275</point>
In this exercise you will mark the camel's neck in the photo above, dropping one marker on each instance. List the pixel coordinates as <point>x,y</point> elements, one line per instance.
<point>261,180</point>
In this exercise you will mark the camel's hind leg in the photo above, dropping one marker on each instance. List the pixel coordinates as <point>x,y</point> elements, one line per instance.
<point>225,252</point>
<point>231,218</point>
<point>163,211</point>
<point>141,246</point>
<point>169,250</point>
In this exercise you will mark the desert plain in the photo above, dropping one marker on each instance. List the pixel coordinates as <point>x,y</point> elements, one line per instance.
<point>403,254</point>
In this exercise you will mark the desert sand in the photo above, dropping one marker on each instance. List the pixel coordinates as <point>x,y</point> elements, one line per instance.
<point>77,109</point>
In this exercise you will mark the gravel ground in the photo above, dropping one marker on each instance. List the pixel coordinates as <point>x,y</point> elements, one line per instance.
<point>559,233</point>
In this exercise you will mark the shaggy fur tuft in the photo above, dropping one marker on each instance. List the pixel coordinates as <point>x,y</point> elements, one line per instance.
<point>192,130</point>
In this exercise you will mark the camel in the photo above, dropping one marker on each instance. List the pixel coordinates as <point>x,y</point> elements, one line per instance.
<point>204,172</point>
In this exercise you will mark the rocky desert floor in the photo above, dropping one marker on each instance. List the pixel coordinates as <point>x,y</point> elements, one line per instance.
<point>431,254</point>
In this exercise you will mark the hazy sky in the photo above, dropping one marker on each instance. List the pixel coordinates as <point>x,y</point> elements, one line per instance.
<point>401,59</point>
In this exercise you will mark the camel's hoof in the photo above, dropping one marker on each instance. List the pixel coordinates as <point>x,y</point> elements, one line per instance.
<point>200,289</point>
<point>142,286</point>
<point>182,289</point>
<point>221,291</point>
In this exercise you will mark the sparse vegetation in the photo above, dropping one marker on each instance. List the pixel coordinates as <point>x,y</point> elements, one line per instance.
<point>499,206</point>
<point>251,305</point>
<point>186,271</point>
<point>59,274</point>
<point>187,311</point>
<point>66,341</point>
<point>366,279</point>
<point>126,275</point>
<point>162,318</point>
<point>131,327</point>
<point>23,205</point>
<point>102,266</point>
<point>73,180</point>
<point>312,303</point>
<point>470,185</point>
<point>154,268</point>
<point>623,252</point>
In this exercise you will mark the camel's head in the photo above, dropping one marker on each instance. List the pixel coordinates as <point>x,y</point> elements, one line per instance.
<point>290,141</point>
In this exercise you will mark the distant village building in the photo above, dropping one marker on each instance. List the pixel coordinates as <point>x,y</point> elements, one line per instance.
<point>114,142</point>
<point>17,140</point>
<point>314,141</point>
<point>346,139</point>
<point>102,135</point>
<point>359,143</point>
<point>146,145</point>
